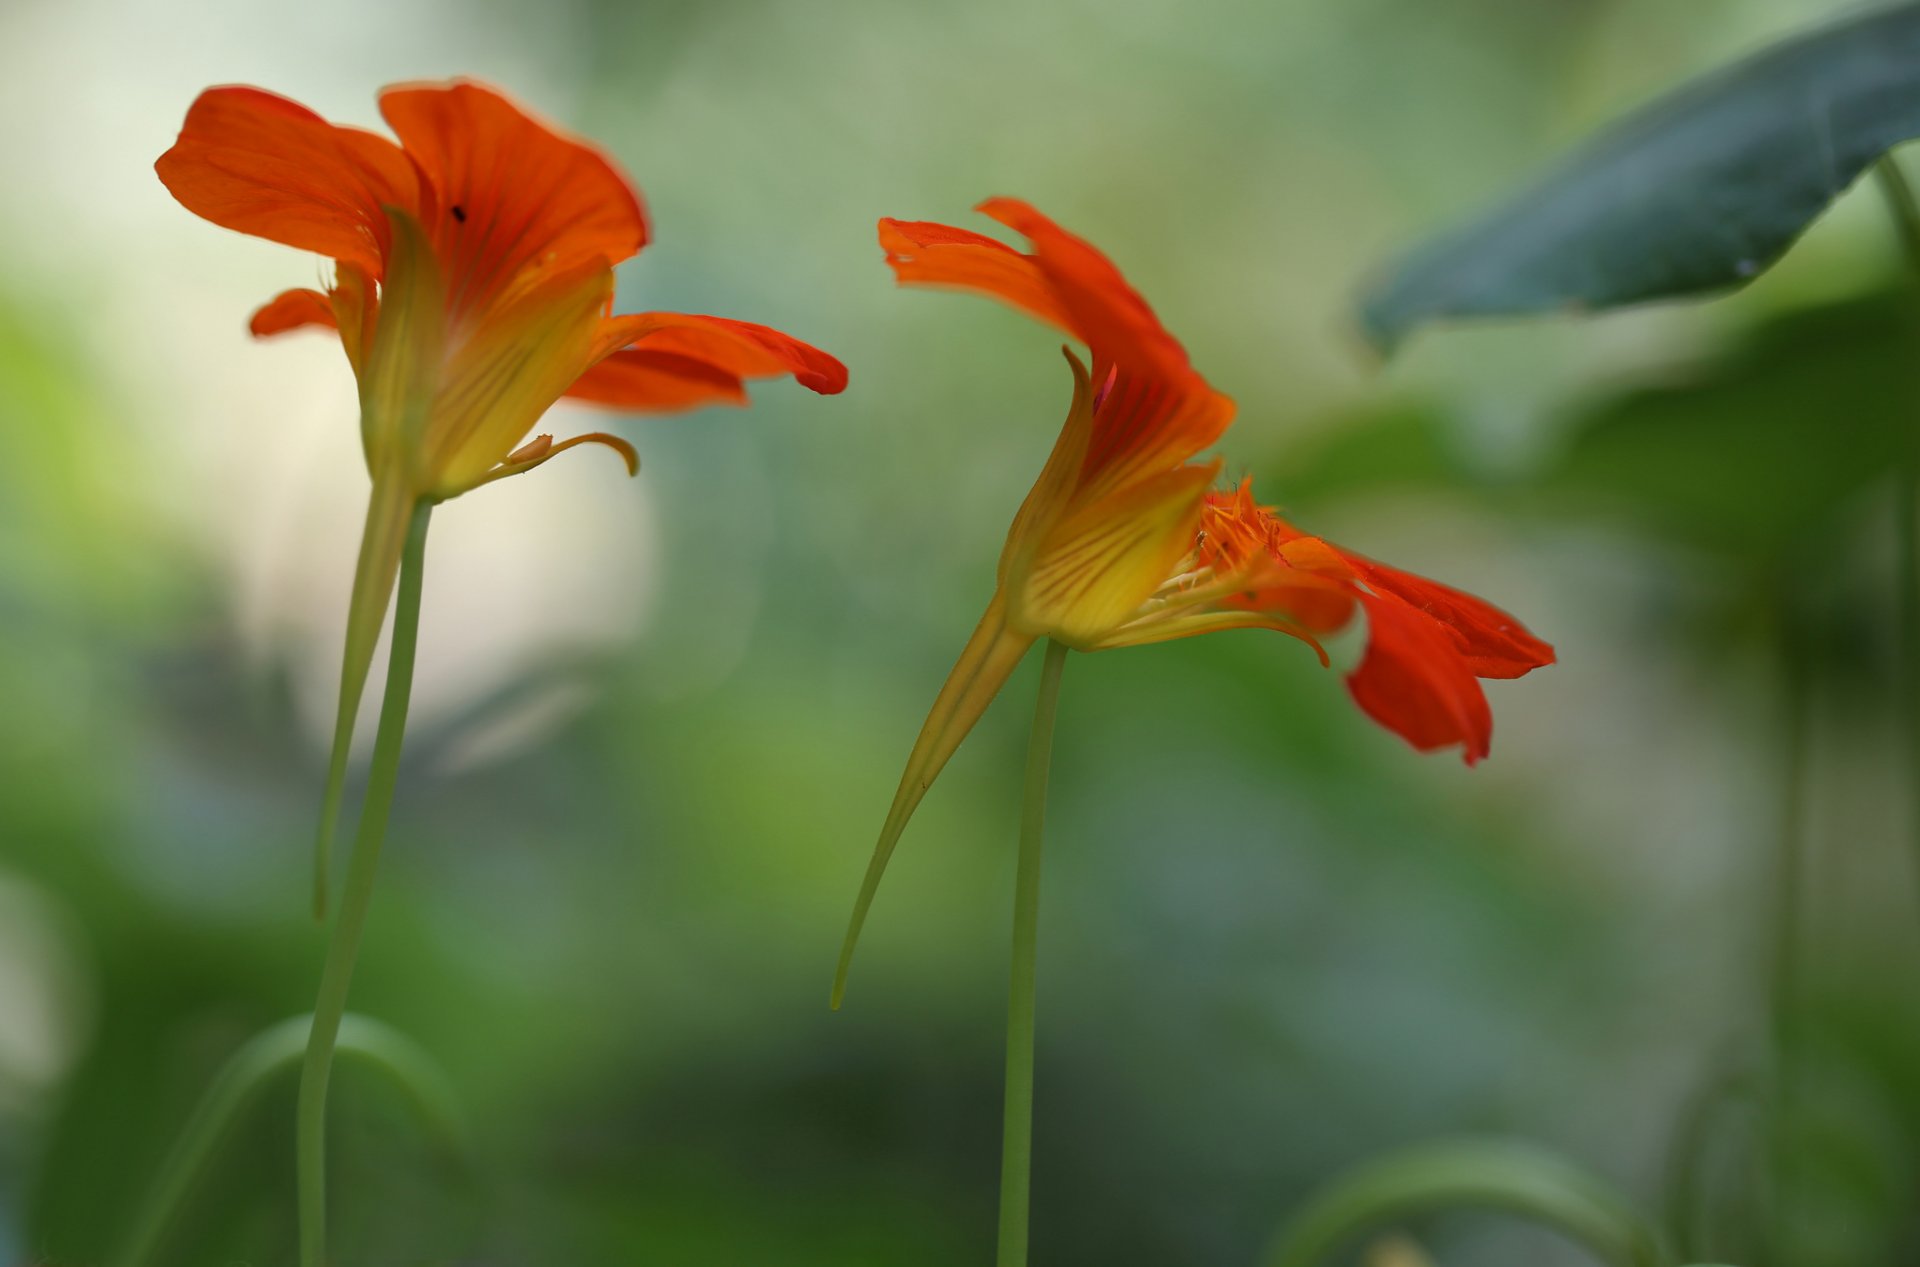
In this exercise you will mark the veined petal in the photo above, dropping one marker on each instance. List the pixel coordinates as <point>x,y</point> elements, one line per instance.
<point>508,190</point>
<point>1067,283</point>
<point>923,253</point>
<point>508,372</point>
<point>672,360</point>
<point>1101,307</point>
<point>401,372</point>
<point>1048,496</point>
<point>1414,681</point>
<point>984,666</point>
<point>1145,424</point>
<point>640,379</point>
<point>1101,561</point>
<point>291,310</point>
<point>253,161</point>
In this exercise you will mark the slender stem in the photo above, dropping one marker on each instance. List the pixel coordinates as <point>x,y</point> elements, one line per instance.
<point>1901,201</point>
<point>1905,209</point>
<point>1016,1142</point>
<point>1790,848</point>
<point>1786,985</point>
<point>310,1124</point>
<point>247,1073</point>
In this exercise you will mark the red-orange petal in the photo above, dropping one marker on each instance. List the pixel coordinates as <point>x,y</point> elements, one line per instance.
<point>1144,423</point>
<point>1494,644</point>
<point>1067,282</point>
<point>253,161</point>
<point>922,253</point>
<point>672,360</point>
<point>1101,306</point>
<point>291,310</point>
<point>1414,681</point>
<point>509,190</point>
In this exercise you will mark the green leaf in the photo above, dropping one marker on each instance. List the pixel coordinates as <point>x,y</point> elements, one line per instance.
<point>1488,1174</point>
<point>1748,453</point>
<point>1702,189</point>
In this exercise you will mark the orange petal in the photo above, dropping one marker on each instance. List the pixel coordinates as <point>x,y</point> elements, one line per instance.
<point>984,666</point>
<point>1100,562</point>
<point>672,360</point>
<point>256,162</point>
<point>507,189</point>
<point>292,309</point>
<point>922,253</point>
<point>1414,681</point>
<point>657,382</point>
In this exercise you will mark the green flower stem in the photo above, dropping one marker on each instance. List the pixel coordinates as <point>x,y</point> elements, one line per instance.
<point>1905,208</point>
<point>1016,1141</point>
<point>310,1124</point>
<point>247,1073</point>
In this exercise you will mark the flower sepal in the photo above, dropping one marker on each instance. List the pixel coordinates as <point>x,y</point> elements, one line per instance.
<point>541,449</point>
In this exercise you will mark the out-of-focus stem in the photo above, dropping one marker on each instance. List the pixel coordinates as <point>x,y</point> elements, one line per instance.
<point>1905,209</point>
<point>249,1071</point>
<point>1016,1141</point>
<point>1790,847</point>
<point>310,1123</point>
<point>1786,985</point>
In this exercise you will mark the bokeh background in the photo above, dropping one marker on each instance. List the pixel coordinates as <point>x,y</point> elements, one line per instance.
<point>657,722</point>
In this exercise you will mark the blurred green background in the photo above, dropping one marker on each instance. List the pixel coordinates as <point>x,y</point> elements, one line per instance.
<point>658,722</point>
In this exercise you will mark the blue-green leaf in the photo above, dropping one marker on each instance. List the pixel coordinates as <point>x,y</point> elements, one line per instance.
<point>1700,190</point>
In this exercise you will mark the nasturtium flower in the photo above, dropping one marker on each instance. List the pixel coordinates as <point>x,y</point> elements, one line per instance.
<point>472,287</point>
<point>1124,539</point>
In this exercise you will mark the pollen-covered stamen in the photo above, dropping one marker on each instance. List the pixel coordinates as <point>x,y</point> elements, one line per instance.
<point>1190,577</point>
<point>1200,590</point>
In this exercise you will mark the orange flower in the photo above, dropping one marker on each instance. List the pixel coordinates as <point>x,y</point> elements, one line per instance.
<point>472,288</point>
<point>1427,645</point>
<point>1123,541</point>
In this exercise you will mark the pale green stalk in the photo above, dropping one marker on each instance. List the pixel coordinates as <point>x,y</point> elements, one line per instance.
<point>247,1073</point>
<point>1016,1144</point>
<point>310,1139</point>
<point>1905,210</point>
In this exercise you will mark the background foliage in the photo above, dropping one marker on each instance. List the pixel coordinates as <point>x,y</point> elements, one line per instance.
<point>658,722</point>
